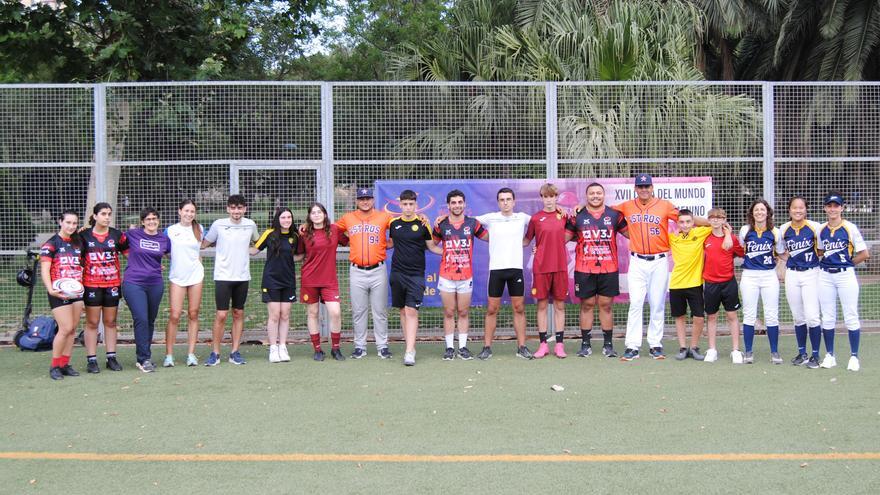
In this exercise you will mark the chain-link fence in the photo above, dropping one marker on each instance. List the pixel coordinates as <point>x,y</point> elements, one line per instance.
<point>288,144</point>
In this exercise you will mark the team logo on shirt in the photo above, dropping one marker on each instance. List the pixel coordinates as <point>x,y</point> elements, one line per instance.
<point>111,243</point>
<point>91,244</point>
<point>466,231</point>
<point>305,297</point>
<point>415,228</point>
<point>559,216</point>
<point>606,221</point>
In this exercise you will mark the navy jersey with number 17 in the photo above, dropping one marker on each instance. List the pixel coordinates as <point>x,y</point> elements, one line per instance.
<point>801,244</point>
<point>758,246</point>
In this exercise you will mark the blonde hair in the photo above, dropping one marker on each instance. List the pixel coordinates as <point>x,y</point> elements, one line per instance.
<point>717,212</point>
<point>549,190</point>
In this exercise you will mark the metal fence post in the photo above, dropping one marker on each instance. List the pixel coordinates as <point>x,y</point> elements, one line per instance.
<point>552,152</point>
<point>769,171</point>
<point>325,179</point>
<point>100,110</point>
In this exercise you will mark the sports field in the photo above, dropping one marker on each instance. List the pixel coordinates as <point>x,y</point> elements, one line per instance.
<point>374,426</point>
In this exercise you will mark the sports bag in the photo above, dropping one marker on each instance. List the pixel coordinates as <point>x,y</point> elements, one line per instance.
<point>38,336</point>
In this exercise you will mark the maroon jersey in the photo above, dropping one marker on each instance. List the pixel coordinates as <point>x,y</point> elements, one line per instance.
<point>548,230</point>
<point>596,236</point>
<point>66,259</point>
<point>457,240</point>
<point>319,266</point>
<point>101,260</point>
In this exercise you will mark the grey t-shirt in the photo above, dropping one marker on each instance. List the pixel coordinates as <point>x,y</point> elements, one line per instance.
<point>232,262</point>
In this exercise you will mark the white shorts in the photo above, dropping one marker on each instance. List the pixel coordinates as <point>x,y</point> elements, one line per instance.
<point>455,286</point>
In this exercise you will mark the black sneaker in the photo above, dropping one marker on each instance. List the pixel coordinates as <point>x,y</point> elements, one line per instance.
<point>56,374</point>
<point>683,353</point>
<point>813,363</point>
<point>465,354</point>
<point>800,359</point>
<point>92,367</point>
<point>67,370</point>
<point>586,350</point>
<point>358,353</point>
<point>524,352</point>
<point>696,354</point>
<point>147,366</point>
<point>337,355</point>
<point>384,353</point>
<point>113,364</point>
<point>608,351</point>
<point>319,356</point>
<point>449,355</point>
<point>485,354</point>
<point>657,353</point>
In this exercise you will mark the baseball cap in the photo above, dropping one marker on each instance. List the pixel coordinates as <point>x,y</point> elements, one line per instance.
<point>833,198</point>
<point>643,180</point>
<point>364,192</point>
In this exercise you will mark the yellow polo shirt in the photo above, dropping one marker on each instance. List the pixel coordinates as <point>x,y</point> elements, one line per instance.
<point>687,253</point>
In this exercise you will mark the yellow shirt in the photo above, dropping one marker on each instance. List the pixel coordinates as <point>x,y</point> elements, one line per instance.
<point>687,252</point>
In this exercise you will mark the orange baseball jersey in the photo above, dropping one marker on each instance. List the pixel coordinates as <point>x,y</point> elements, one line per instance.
<point>648,224</point>
<point>366,235</point>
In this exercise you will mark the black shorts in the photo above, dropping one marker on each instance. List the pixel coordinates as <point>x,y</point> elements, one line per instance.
<point>587,285</point>
<point>224,290</point>
<point>103,297</point>
<point>680,299</point>
<point>510,277</point>
<point>726,293</point>
<point>406,290</point>
<point>288,294</point>
<point>57,302</point>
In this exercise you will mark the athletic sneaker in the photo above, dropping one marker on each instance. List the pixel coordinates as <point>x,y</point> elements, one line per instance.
<point>449,355</point>
<point>586,350</point>
<point>465,354</point>
<point>813,363</point>
<point>524,352</point>
<point>485,354</point>
<point>800,359</point>
<point>169,361</point>
<point>358,353</point>
<point>67,370</point>
<point>319,356</point>
<point>695,353</point>
<point>608,351</point>
<point>113,364</point>
<point>192,360</point>
<point>559,350</point>
<point>337,355</point>
<point>711,356</point>
<point>384,353</point>
<point>853,364</point>
<point>736,356</point>
<point>829,362</point>
<point>283,355</point>
<point>213,359</point>
<point>682,354</point>
<point>235,358</point>
<point>657,353</point>
<point>748,357</point>
<point>147,366</point>
<point>630,354</point>
<point>55,373</point>
<point>273,354</point>
<point>775,358</point>
<point>409,358</point>
<point>92,367</point>
<point>543,350</point>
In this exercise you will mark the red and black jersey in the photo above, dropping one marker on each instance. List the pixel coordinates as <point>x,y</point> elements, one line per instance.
<point>66,259</point>
<point>101,258</point>
<point>458,247</point>
<point>596,250</point>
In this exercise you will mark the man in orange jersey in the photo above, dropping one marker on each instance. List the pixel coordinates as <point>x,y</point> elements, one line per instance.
<point>648,225</point>
<point>367,229</point>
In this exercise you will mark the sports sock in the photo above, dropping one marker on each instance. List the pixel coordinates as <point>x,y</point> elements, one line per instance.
<point>56,362</point>
<point>462,340</point>
<point>854,336</point>
<point>542,336</point>
<point>111,354</point>
<point>65,360</point>
<point>586,335</point>
<point>560,336</point>
<point>773,337</point>
<point>748,336</point>
<point>800,331</point>
<point>815,340</point>
<point>316,341</point>
<point>606,337</point>
<point>335,338</point>
<point>828,333</point>
<point>450,339</point>
<point>92,358</point>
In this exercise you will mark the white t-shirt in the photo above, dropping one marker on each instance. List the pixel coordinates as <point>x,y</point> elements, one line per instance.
<point>233,240</point>
<point>505,239</point>
<point>186,267</point>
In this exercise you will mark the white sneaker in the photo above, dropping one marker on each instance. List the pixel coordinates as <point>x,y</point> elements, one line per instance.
<point>273,354</point>
<point>737,357</point>
<point>282,353</point>
<point>829,362</point>
<point>853,364</point>
<point>711,356</point>
<point>409,358</point>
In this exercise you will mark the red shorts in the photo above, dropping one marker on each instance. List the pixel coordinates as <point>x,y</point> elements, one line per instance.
<point>312,295</point>
<point>545,284</point>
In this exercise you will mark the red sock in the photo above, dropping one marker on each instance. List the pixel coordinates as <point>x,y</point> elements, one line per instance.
<point>65,360</point>
<point>56,362</point>
<point>334,338</point>
<point>316,341</point>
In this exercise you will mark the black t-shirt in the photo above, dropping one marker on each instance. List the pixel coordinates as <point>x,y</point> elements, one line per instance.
<point>279,272</point>
<point>409,246</point>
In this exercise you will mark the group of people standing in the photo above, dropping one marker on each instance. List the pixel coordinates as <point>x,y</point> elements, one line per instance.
<point>819,261</point>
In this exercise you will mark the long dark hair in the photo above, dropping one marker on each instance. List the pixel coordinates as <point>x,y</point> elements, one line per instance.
<point>97,209</point>
<point>75,239</point>
<point>751,213</point>
<point>310,225</point>
<point>274,239</point>
<point>197,231</point>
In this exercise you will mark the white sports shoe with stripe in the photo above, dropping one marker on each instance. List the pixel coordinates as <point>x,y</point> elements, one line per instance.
<point>853,364</point>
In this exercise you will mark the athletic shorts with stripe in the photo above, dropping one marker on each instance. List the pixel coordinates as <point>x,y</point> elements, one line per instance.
<point>716,294</point>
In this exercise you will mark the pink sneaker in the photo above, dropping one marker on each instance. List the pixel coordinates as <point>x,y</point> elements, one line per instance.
<point>559,350</point>
<point>542,351</point>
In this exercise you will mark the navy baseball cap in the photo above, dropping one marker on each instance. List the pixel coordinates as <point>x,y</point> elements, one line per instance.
<point>643,180</point>
<point>833,198</point>
<point>365,192</point>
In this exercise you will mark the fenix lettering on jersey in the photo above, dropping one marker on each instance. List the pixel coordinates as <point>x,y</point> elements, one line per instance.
<point>596,237</point>
<point>758,246</point>
<point>457,240</point>
<point>802,244</point>
<point>839,244</point>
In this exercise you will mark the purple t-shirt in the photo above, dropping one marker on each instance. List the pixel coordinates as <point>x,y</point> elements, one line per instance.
<point>145,253</point>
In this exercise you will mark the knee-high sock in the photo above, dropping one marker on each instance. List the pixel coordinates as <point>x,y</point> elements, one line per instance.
<point>828,333</point>
<point>773,337</point>
<point>800,332</point>
<point>854,341</point>
<point>748,336</point>
<point>815,340</point>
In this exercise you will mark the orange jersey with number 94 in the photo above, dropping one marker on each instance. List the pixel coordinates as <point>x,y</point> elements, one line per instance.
<point>366,235</point>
